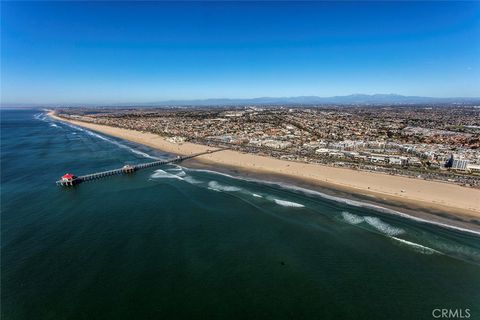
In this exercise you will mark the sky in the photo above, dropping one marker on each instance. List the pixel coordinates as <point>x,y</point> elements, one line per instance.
<point>133,52</point>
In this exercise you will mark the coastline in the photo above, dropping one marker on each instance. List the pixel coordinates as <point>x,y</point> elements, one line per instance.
<point>452,203</point>
<point>412,211</point>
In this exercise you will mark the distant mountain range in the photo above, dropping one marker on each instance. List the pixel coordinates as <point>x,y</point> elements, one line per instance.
<point>364,99</point>
<point>353,99</point>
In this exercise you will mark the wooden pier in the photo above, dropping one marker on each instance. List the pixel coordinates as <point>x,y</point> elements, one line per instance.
<point>70,179</point>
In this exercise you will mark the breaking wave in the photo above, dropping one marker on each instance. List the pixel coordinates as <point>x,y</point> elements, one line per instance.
<point>290,204</point>
<point>161,174</point>
<point>352,218</point>
<point>375,222</point>
<point>175,173</point>
<point>214,185</point>
<point>417,247</point>
<point>257,195</point>
<point>41,117</point>
<point>192,180</point>
<point>383,226</point>
<point>178,171</point>
<point>388,230</point>
<point>456,249</point>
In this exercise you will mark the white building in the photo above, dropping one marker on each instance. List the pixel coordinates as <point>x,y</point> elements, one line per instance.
<point>276,144</point>
<point>459,164</point>
<point>474,167</point>
<point>322,151</point>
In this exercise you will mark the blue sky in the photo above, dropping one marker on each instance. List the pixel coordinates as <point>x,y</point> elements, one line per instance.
<point>107,52</point>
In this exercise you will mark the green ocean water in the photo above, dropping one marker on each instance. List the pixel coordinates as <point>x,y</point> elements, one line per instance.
<point>179,243</point>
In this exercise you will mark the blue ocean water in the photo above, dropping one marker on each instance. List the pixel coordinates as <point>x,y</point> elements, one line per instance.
<point>174,242</point>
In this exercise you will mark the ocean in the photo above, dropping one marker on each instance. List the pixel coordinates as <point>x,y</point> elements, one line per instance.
<point>174,242</point>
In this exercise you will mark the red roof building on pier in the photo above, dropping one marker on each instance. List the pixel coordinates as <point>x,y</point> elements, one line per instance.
<point>68,177</point>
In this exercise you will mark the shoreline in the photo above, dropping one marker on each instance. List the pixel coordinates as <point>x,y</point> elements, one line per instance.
<point>441,201</point>
<point>430,215</point>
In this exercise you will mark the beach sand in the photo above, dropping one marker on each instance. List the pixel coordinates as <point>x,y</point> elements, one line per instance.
<point>459,201</point>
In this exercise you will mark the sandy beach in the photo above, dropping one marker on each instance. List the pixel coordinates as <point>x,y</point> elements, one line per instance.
<point>454,199</point>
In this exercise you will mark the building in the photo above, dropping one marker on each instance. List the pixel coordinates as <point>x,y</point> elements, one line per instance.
<point>128,168</point>
<point>376,159</point>
<point>459,164</point>
<point>475,168</point>
<point>414,161</point>
<point>274,144</point>
<point>456,163</point>
<point>322,151</point>
<point>395,161</point>
<point>68,179</point>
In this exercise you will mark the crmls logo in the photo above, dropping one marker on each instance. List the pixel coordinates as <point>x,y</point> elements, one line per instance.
<point>451,313</point>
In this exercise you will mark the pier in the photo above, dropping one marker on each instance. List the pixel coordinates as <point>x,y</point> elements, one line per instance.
<point>70,179</point>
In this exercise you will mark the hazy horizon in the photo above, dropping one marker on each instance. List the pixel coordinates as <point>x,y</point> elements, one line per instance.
<point>395,99</point>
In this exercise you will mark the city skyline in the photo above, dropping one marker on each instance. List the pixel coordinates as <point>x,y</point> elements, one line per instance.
<point>106,53</point>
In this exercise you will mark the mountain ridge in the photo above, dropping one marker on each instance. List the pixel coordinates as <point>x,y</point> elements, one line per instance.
<point>346,99</point>
<point>352,99</point>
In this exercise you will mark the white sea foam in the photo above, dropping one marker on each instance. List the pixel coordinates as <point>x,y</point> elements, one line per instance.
<point>386,229</point>
<point>214,185</point>
<point>352,218</point>
<point>417,247</point>
<point>458,249</point>
<point>161,174</point>
<point>350,202</point>
<point>257,195</point>
<point>290,204</point>
<point>191,180</point>
<point>177,170</point>
<point>383,226</point>
<point>40,116</point>
<point>73,126</point>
